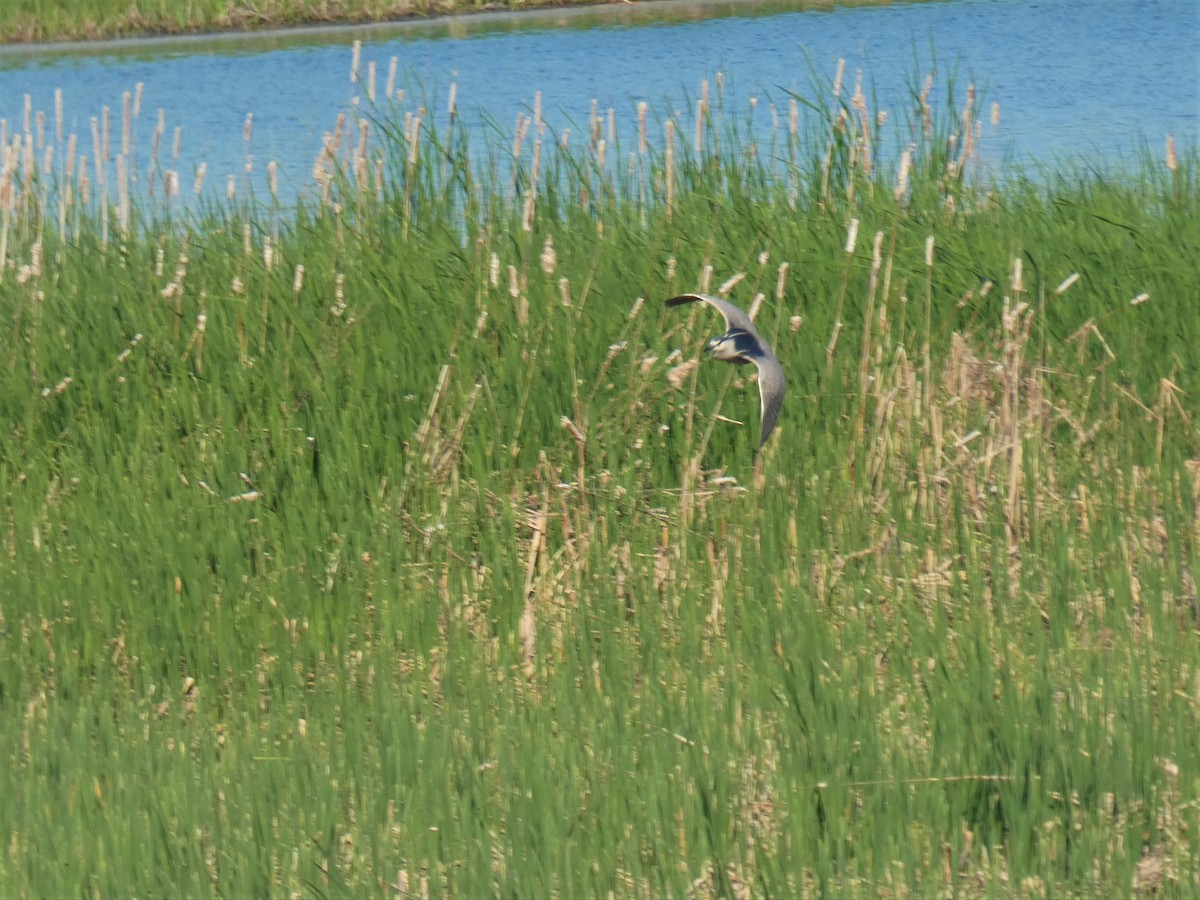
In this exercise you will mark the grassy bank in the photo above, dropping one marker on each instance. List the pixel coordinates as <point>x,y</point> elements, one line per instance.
<point>396,548</point>
<point>63,20</point>
<point>24,21</point>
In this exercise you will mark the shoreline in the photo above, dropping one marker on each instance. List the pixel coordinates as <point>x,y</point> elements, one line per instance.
<point>14,38</point>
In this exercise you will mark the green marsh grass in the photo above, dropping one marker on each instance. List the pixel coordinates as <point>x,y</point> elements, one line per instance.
<point>391,547</point>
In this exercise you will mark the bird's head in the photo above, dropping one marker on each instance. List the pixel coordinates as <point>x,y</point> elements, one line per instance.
<point>729,347</point>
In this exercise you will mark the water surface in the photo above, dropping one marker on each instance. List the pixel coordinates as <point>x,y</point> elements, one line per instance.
<point>1092,81</point>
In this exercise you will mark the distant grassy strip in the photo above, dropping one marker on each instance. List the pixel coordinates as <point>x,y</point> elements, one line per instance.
<point>67,20</point>
<point>397,547</point>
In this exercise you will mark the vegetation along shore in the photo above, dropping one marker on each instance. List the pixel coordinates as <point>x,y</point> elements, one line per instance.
<point>397,545</point>
<point>23,21</point>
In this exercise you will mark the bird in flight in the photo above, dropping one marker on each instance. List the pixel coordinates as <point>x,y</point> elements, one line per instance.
<point>739,345</point>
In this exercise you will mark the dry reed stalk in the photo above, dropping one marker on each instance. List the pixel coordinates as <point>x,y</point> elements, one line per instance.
<point>865,353</point>
<point>414,139</point>
<point>858,103</point>
<point>104,116</point>
<point>126,115</point>
<point>851,240</point>
<point>528,626</point>
<point>58,114</point>
<point>926,349</point>
<point>669,173</point>
<point>96,151</point>
<point>439,392</point>
<point>175,142</point>
<point>339,126</point>
<point>355,54</point>
<point>1168,398</point>
<point>122,195</point>
<point>441,459</point>
<point>391,77</point>
<point>4,219</point>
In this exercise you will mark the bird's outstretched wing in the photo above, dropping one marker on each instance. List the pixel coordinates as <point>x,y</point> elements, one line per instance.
<point>734,317</point>
<point>772,385</point>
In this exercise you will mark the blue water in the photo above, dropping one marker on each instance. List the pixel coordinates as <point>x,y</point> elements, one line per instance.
<point>1090,81</point>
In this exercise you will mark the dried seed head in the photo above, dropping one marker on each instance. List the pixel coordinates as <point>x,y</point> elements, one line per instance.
<point>902,177</point>
<point>730,283</point>
<point>574,431</point>
<point>1172,159</point>
<point>851,235</point>
<point>781,281</point>
<point>1066,283</point>
<point>756,305</point>
<point>339,294</point>
<point>494,271</point>
<point>527,217</point>
<point>549,257</point>
<point>677,375</point>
